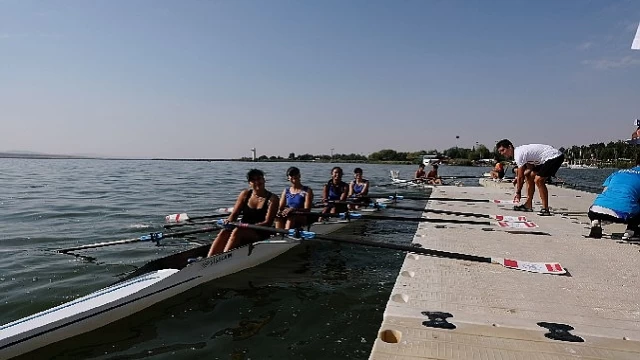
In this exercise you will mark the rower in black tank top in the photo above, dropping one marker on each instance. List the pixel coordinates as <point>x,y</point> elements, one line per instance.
<point>253,216</point>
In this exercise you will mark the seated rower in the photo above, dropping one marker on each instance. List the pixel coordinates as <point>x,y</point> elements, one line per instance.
<point>257,206</point>
<point>420,175</point>
<point>498,171</point>
<point>432,176</point>
<point>358,188</point>
<point>619,202</point>
<point>335,190</point>
<point>295,198</point>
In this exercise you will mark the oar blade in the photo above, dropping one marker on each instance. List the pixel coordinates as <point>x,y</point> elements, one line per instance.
<point>517,224</point>
<point>509,218</point>
<point>176,218</point>
<point>502,201</point>
<point>552,268</point>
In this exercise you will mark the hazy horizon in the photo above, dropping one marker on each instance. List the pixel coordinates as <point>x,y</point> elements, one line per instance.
<point>161,79</point>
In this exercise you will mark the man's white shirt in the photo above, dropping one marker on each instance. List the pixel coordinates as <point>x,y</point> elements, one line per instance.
<point>535,154</point>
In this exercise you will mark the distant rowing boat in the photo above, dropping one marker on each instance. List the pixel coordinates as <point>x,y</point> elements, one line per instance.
<point>581,166</point>
<point>395,180</point>
<point>154,282</point>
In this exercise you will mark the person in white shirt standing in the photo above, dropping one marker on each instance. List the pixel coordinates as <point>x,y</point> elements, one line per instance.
<point>543,160</point>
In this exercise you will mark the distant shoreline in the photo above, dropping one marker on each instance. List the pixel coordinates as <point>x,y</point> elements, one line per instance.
<point>281,160</point>
<point>69,157</point>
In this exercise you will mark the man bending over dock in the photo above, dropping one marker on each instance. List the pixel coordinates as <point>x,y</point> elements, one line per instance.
<point>543,160</point>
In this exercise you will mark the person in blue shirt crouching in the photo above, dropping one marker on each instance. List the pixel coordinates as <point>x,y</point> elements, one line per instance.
<point>619,202</point>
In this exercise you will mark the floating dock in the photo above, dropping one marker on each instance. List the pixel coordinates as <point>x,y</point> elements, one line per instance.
<point>442,308</point>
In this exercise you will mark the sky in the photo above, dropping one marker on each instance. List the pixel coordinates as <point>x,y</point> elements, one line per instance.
<point>213,79</point>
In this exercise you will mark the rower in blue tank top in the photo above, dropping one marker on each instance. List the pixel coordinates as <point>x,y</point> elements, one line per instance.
<point>295,199</point>
<point>335,190</point>
<point>358,188</point>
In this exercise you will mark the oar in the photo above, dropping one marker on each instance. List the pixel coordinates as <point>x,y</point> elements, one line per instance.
<point>448,212</point>
<point>519,232</point>
<point>414,219</point>
<point>155,237</point>
<point>355,215</point>
<point>506,224</point>
<point>552,268</point>
<point>402,197</point>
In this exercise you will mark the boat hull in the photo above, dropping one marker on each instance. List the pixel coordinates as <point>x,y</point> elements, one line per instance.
<point>159,280</point>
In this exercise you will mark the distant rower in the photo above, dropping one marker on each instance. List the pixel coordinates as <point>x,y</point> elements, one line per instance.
<point>498,170</point>
<point>420,174</point>
<point>432,176</point>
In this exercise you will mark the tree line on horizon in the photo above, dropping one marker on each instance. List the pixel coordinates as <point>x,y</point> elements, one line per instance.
<point>598,152</point>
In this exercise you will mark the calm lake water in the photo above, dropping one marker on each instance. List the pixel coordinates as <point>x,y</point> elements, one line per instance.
<point>324,301</point>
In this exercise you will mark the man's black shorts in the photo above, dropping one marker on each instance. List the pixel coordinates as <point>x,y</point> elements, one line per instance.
<point>550,167</point>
